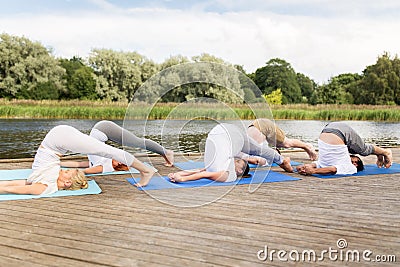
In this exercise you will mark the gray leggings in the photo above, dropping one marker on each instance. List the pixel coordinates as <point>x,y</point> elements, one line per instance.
<point>117,134</point>
<point>354,143</point>
<point>241,142</point>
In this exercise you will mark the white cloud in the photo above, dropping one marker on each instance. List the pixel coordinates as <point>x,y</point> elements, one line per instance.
<point>319,47</point>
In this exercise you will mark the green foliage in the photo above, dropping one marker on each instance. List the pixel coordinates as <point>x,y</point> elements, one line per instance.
<point>337,91</point>
<point>307,86</point>
<point>279,74</point>
<point>45,90</point>
<point>174,60</point>
<point>117,110</point>
<point>381,82</point>
<point>118,74</point>
<point>83,84</point>
<point>274,98</point>
<point>28,70</point>
<point>80,80</point>
<point>194,82</point>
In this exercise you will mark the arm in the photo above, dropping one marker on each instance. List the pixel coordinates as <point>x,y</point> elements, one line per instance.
<point>75,164</point>
<point>95,169</point>
<point>27,189</point>
<point>220,176</point>
<point>193,171</point>
<point>82,164</point>
<point>257,160</point>
<point>325,170</point>
<point>252,159</point>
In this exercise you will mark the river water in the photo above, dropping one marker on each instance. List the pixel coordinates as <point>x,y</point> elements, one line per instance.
<point>20,138</point>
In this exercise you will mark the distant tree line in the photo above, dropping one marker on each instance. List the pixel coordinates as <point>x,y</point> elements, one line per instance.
<point>28,70</point>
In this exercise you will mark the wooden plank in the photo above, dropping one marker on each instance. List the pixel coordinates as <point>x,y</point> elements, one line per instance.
<point>124,227</point>
<point>16,253</point>
<point>9,261</point>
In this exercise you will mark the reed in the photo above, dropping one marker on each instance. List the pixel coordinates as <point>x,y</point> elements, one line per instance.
<point>118,110</point>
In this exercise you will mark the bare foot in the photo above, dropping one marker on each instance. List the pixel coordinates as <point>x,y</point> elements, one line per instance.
<point>169,158</point>
<point>311,152</point>
<point>379,161</point>
<point>388,158</point>
<point>286,165</point>
<point>145,177</point>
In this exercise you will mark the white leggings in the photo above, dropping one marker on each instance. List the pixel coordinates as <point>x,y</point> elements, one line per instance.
<point>65,138</point>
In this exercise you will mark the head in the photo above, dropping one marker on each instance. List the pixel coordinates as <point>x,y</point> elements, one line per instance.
<point>241,167</point>
<point>119,166</point>
<point>356,161</point>
<point>71,179</point>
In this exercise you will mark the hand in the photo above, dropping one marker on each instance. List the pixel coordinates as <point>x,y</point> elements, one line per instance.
<point>306,169</point>
<point>261,161</point>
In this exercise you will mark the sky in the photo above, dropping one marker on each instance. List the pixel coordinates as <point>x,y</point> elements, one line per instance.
<point>319,38</point>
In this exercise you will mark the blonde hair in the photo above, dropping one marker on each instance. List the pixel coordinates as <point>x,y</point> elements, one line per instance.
<point>79,181</point>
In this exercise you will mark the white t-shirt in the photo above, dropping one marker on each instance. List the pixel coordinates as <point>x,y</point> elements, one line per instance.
<point>46,169</point>
<point>335,155</point>
<point>101,161</point>
<point>98,160</point>
<point>218,153</point>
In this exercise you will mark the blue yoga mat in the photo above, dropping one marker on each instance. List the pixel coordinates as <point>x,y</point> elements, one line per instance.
<point>263,176</point>
<point>91,190</point>
<point>189,165</point>
<point>131,170</point>
<point>370,169</point>
<point>21,174</point>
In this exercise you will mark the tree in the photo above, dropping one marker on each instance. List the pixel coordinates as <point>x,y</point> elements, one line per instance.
<point>118,74</point>
<point>80,80</point>
<point>196,82</point>
<point>83,82</point>
<point>307,86</point>
<point>380,84</point>
<point>174,60</point>
<point>337,90</point>
<point>274,98</point>
<point>28,70</point>
<point>277,73</point>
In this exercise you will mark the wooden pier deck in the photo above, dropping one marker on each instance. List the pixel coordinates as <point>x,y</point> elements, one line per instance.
<point>123,226</point>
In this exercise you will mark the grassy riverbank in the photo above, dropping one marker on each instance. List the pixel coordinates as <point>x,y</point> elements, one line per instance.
<point>112,110</point>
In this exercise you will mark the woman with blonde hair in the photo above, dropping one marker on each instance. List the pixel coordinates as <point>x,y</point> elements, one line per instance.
<point>48,177</point>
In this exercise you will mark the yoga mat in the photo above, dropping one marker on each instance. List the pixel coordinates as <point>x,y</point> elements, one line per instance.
<point>292,162</point>
<point>91,190</point>
<point>264,176</point>
<point>131,170</point>
<point>21,174</point>
<point>370,169</point>
<point>189,165</point>
<point>18,174</point>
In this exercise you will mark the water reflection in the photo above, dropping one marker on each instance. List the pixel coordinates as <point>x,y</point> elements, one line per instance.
<point>20,138</point>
